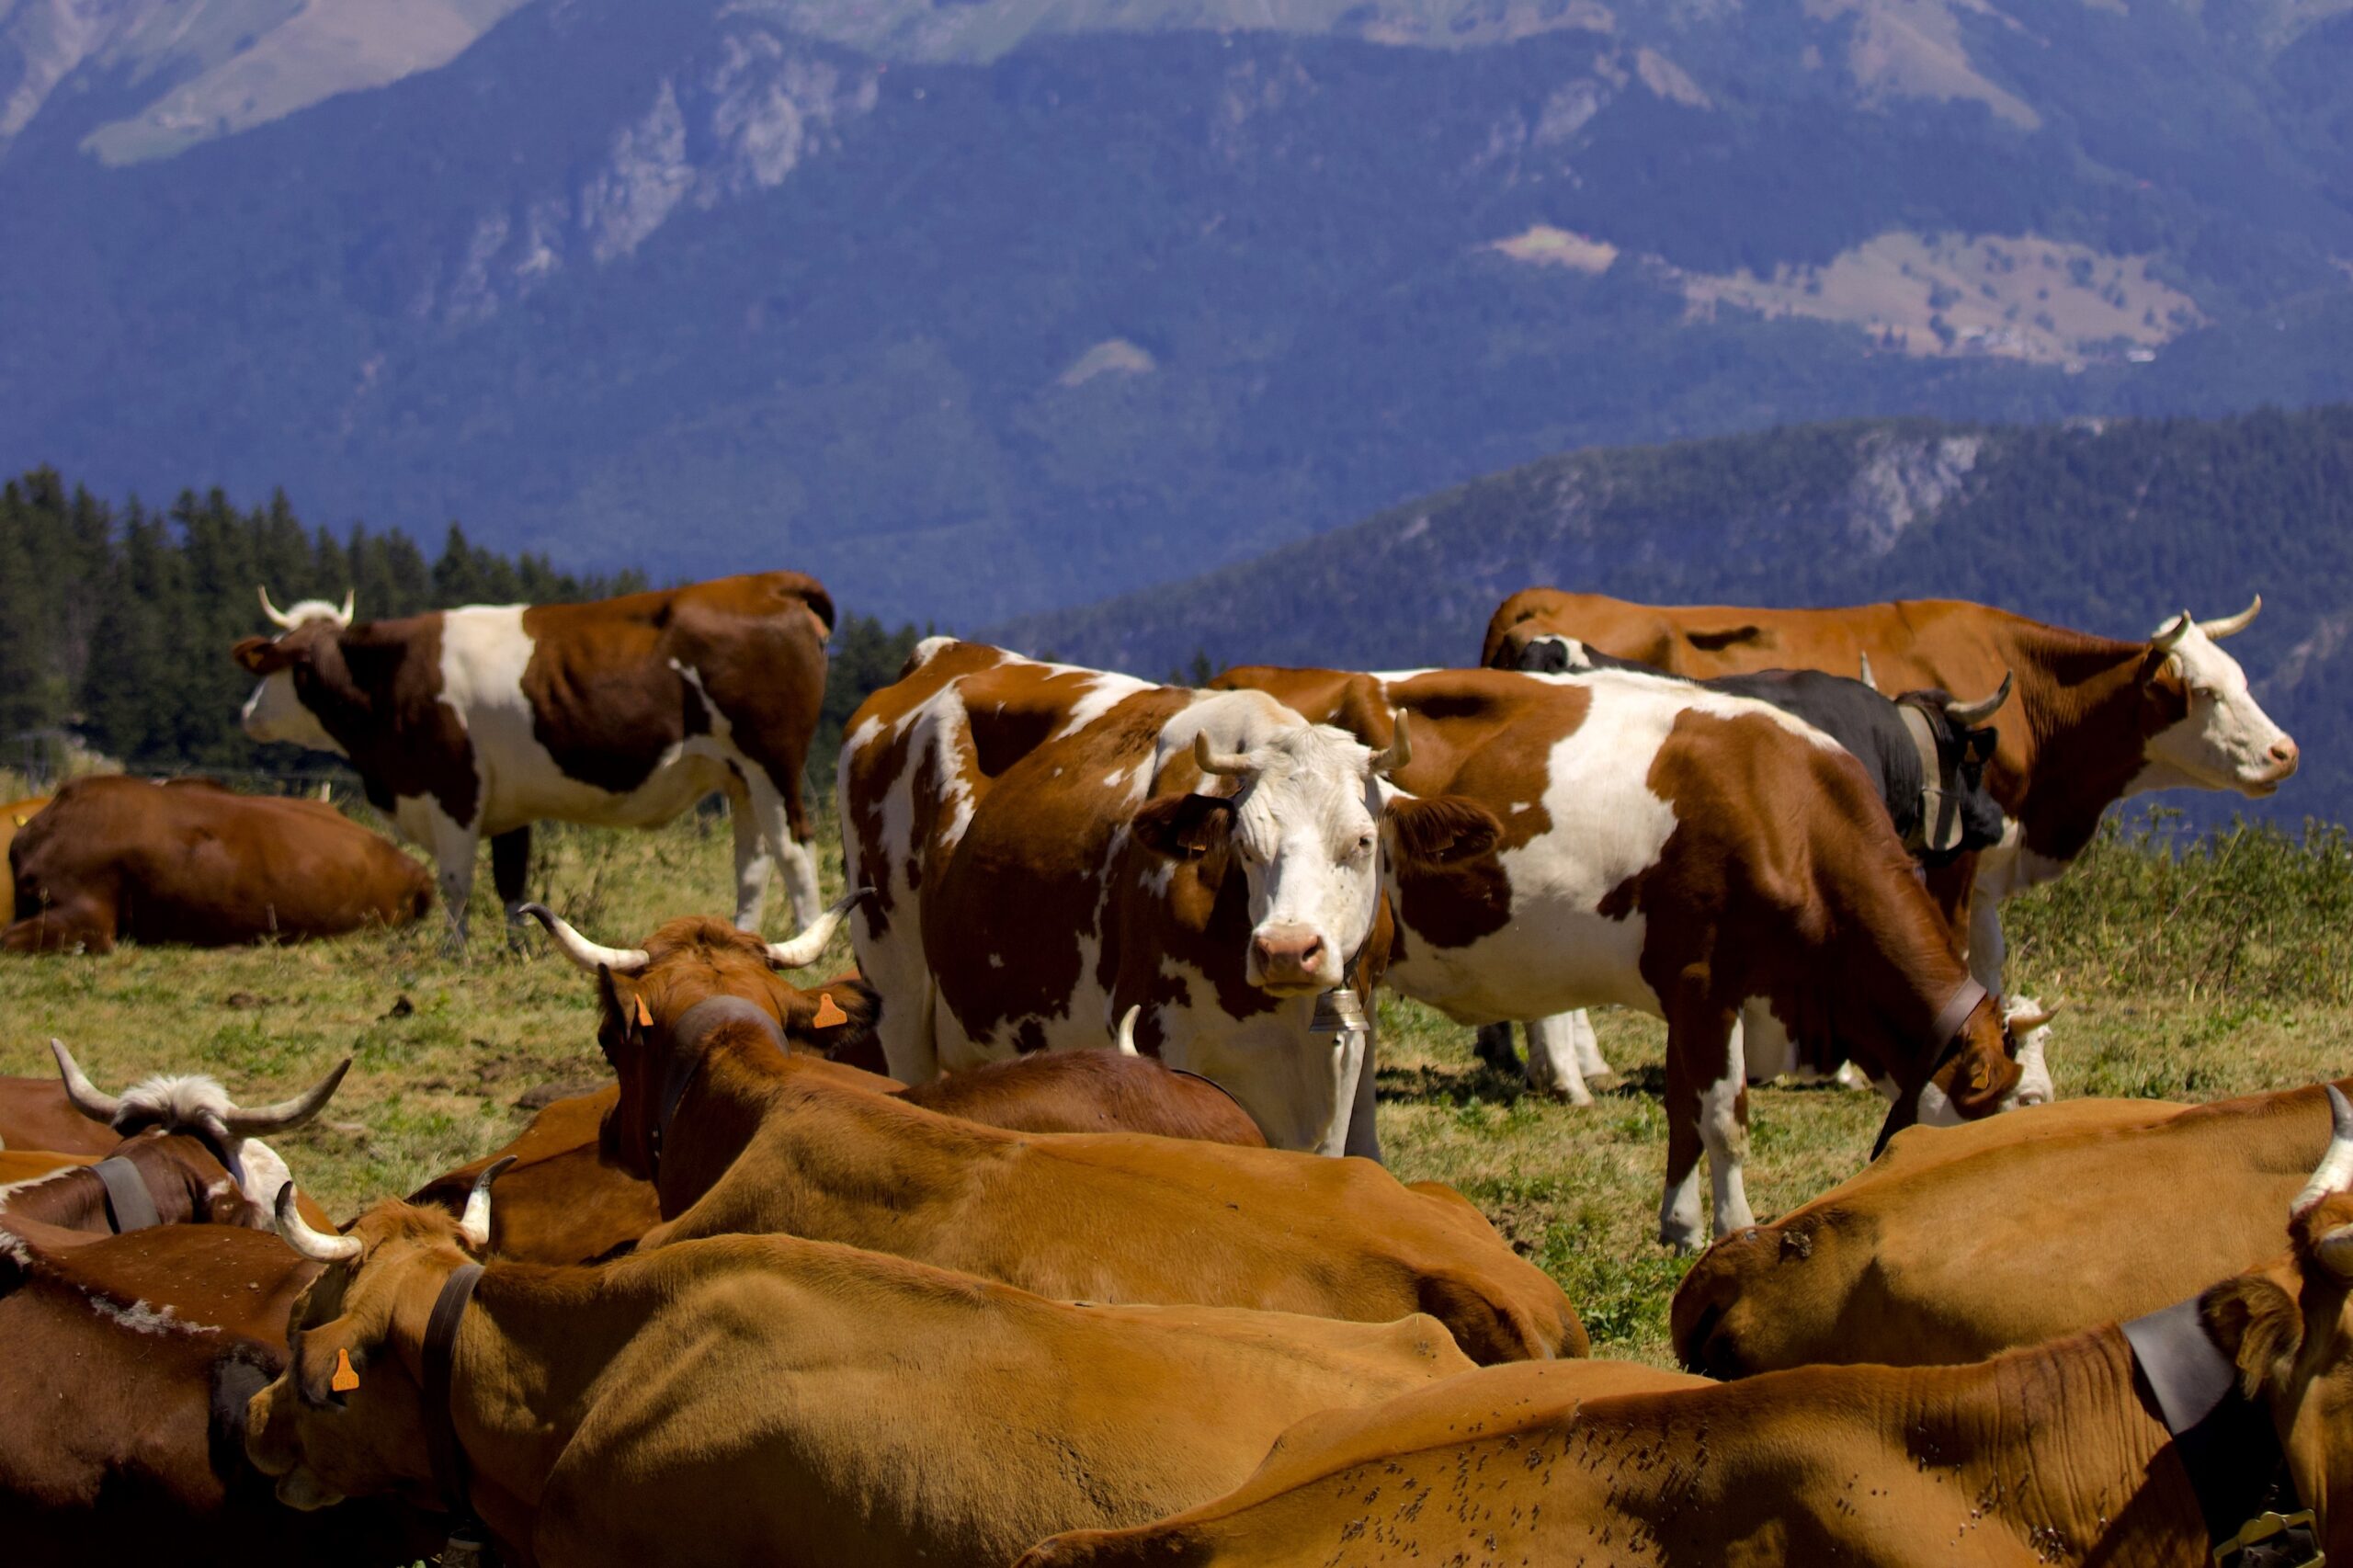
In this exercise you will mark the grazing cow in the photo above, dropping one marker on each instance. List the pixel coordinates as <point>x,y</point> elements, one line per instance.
<point>2095,719</point>
<point>188,861</point>
<point>128,1365</point>
<point>1050,846</point>
<point>1708,859</point>
<point>623,712</point>
<point>738,1135</point>
<point>1904,1263</point>
<point>774,1399</point>
<point>2152,1443</point>
<point>1925,750</point>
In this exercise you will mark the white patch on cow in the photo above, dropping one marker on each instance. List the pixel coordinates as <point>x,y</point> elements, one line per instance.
<point>1300,1098</point>
<point>928,649</point>
<point>9,1190</point>
<point>2034,1087</point>
<point>1101,694</point>
<point>2226,741</point>
<point>1766,1044</point>
<point>16,1247</point>
<point>997,960</point>
<point>276,713</point>
<point>140,1318</point>
<point>265,1173</point>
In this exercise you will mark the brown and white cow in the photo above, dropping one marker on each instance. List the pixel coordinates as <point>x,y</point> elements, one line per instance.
<point>622,712</point>
<point>1050,846</point>
<point>2149,1443</point>
<point>2095,719</point>
<point>1708,859</point>
<point>188,861</point>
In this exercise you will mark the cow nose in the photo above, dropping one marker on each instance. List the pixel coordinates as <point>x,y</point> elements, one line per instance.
<point>2284,753</point>
<point>1288,955</point>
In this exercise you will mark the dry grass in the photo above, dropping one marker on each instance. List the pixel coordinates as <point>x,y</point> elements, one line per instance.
<point>444,1047</point>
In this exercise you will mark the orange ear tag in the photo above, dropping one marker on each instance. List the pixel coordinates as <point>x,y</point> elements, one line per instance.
<point>828,1012</point>
<point>345,1379</point>
<point>644,1019</point>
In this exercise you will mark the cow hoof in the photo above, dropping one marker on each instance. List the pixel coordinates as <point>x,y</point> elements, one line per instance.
<point>1580,1095</point>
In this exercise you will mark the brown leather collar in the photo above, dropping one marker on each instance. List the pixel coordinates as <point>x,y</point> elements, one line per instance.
<point>440,1360</point>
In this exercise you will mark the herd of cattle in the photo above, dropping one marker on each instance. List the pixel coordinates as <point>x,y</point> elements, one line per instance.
<point>1018,1243</point>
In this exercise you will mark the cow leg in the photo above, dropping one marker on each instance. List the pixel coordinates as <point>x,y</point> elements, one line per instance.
<point>1589,1059</point>
<point>1493,1046</point>
<point>454,848</point>
<point>753,865</point>
<point>1364,1131</point>
<point>510,862</point>
<point>772,812</point>
<point>1704,1067</point>
<point>1724,1128</point>
<point>1552,1065</point>
<point>1987,950</point>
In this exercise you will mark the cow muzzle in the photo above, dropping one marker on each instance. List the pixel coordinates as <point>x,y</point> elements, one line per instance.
<point>1292,960</point>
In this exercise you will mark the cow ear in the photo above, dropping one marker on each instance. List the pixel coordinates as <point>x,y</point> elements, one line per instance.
<point>1442,831</point>
<point>615,1026</point>
<point>2255,1322</point>
<point>1182,827</point>
<point>1980,1078</point>
<point>262,655</point>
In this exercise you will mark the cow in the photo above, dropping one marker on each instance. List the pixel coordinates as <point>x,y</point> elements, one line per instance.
<point>188,861</point>
<point>2095,720</point>
<point>183,1106</point>
<point>2154,1442</point>
<point>1905,1263</point>
<point>1708,859</point>
<point>1925,750</point>
<point>559,1201</point>
<point>155,1178</point>
<point>1048,846</point>
<point>130,1362</point>
<point>16,813</point>
<point>620,712</point>
<point>777,1400</point>
<point>739,1135</point>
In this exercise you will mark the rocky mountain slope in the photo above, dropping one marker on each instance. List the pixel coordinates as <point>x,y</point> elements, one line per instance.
<point>981,309</point>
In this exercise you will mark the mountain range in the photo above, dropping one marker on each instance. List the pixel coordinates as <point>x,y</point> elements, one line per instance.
<point>982,309</point>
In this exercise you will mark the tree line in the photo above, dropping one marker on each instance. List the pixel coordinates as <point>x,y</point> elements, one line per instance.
<point>116,622</point>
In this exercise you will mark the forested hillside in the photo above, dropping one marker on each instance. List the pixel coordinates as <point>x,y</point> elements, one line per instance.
<point>116,622</point>
<point>2110,530</point>
<point>973,320</point>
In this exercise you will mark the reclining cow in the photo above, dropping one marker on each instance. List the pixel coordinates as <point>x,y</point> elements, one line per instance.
<point>738,1134</point>
<point>623,712</point>
<point>774,1399</point>
<point>2154,1442</point>
<point>129,1361</point>
<point>2095,719</point>
<point>1707,859</point>
<point>1901,1264</point>
<point>188,861</point>
<point>1049,848</point>
<point>1925,750</point>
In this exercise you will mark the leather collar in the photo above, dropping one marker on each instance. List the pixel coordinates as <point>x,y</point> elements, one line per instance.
<point>2225,1441</point>
<point>440,1365</point>
<point>688,1034</point>
<point>1966,998</point>
<point>130,1206</point>
<point>1938,828</point>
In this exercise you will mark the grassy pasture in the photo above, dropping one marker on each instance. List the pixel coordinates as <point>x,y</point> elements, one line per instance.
<point>2214,973</point>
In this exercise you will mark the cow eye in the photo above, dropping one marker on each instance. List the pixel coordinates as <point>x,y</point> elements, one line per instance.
<point>1364,847</point>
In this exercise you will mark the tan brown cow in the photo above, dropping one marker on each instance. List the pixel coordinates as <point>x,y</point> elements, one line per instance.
<point>622,712</point>
<point>558,1200</point>
<point>773,1400</point>
<point>1049,848</point>
<point>1706,858</point>
<point>16,813</point>
<point>739,1136</point>
<point>129,1361</point>
<point>2093,720</point>
<point>188,861</point>
<point>1905,1265</point>
<point>2144,1443</point>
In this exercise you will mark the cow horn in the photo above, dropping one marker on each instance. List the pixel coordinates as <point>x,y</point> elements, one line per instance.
<point>306,1241</point>
<point>1126,1039</point>
<point>1969,715</point>
<point>2171,632</point>
<point>475,1223</point>
<point>278,617</point>
<point>1869,680</point>
<point>804,950</point>
<point>1208,759</point>
<point>2337,1165</point>
<point>2231,625</point>
<point>581,950</point>
<point>1393,756</point>
<point>80,1090</point>
<point>350,603</point>
<point>277,1118</point>
<point>2027,1020</point>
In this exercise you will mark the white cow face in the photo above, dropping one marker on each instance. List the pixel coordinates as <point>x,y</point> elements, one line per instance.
<point>276,710</point>
<point>2218,737</point>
